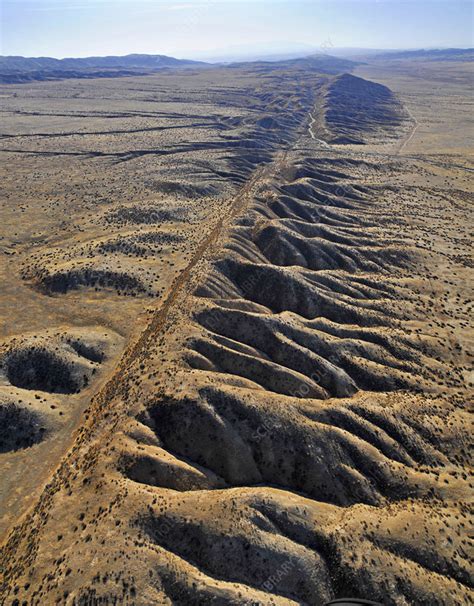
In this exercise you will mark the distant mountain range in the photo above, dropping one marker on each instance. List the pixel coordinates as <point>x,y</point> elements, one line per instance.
<point>16,70</point>
<point>439,54</point>
<point>153,62</point>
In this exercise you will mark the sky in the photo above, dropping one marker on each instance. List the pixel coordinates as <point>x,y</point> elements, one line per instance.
<point>203,28</point>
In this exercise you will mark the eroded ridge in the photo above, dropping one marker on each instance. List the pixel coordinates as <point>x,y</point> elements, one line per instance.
<point>123,187</point>
<point>352,110</point>
<point>315,371</point>
<point>292,426</point>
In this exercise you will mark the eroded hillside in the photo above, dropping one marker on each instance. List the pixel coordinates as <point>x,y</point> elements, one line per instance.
<point>291,424</point>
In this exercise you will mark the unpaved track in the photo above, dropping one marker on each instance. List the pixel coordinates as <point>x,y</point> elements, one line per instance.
<point>310,130</point>
<point>411,134</point>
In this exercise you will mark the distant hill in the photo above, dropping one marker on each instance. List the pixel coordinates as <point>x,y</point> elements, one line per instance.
<point>324,64</point>
<point>445,54</point>
<point>355,111</point>
<point>24,69</point>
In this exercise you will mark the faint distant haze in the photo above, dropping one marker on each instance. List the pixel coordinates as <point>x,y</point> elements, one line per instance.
<point>271,51</point>
<point>228,29</point>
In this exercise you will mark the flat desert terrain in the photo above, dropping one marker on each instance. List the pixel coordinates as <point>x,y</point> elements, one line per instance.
<point>235,336</point>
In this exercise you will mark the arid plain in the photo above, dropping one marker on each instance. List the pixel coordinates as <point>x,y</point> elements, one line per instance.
<point>234,358</point>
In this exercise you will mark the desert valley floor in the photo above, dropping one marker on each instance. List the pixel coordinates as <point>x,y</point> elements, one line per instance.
<point>234,349</point>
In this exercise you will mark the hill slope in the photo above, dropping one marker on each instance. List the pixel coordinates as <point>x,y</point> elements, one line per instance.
<point>354,110</point>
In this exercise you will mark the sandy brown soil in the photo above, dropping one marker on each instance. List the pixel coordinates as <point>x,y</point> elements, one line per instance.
<point>289,422</point>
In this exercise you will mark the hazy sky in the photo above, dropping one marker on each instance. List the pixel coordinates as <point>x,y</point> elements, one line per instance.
<point>183,28</point>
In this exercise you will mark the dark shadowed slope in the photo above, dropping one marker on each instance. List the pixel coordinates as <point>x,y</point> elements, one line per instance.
<point>354,110</point>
